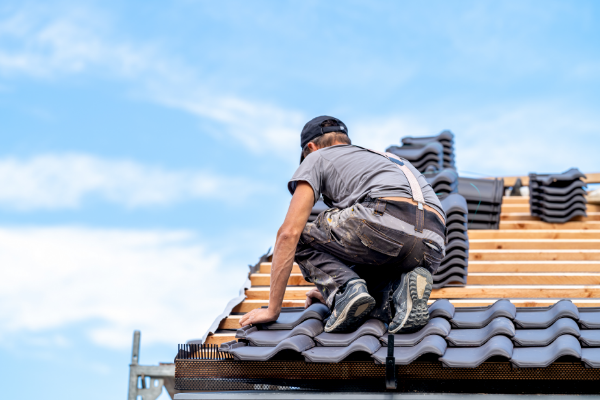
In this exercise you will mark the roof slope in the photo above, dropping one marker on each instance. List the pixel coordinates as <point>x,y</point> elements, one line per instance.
<point>530,262</point>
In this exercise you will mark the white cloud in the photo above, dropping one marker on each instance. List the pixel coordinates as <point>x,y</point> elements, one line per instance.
<point>51,45</point>
<point>66,180</point>
<point>166,283</point>
<point>493,139</point>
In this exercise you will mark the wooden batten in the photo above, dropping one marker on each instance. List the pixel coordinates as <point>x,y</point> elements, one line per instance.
<point>533,278</point>
<point>534,266</point>
<point>534,255</point>
<point>525,216</point>
<point>534,234</point>
<point>530,244</point>
<point>587,225</point>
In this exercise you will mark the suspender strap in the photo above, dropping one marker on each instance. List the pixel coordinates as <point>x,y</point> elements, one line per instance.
<point>415,188</point>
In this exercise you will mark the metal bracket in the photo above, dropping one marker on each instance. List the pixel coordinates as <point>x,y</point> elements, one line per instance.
<point>147,381</point>
<point>391,382</point>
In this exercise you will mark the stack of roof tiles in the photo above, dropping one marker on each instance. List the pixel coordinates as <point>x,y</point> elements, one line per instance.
<point>484,201</point>
<point>557,198</point>
<point>426,153</point>
<point>458,338</point>
<point>424,157</point>
<point>443,182</point>
<point>454,266</point>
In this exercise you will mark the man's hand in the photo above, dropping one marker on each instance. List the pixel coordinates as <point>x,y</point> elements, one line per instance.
<point>313,296</point>
<point>258,316</point>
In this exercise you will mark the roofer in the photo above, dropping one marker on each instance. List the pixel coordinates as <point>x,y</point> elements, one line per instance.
<point>373,252</point>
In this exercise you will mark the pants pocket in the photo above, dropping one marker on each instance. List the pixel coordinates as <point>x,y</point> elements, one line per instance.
<point>432,257</point>
<point>383,247</point>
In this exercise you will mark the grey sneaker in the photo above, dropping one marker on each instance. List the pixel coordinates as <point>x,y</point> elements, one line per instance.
<point>351,307</point>
<point>410,301</point>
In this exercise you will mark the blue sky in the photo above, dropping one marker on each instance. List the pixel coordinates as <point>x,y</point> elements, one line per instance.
<point>146,146</point>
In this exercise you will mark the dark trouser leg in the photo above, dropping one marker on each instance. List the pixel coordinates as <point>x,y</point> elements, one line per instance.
<point>342,245</point>
<point>323,269</point>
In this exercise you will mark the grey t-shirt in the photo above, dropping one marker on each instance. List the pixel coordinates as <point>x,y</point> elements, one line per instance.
<point>346,174</point>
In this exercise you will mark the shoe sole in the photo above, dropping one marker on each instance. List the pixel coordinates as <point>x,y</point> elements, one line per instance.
<point>420,284</point>
<point>355,311</point>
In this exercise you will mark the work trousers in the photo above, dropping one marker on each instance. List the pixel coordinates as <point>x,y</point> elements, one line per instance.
<point>358,242</point>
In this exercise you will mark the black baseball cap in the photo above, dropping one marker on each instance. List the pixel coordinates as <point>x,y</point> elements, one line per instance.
<point>314,128</point>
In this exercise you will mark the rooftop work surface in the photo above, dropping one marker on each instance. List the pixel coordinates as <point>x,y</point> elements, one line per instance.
<point>532,263</point>
<point>505,331</point>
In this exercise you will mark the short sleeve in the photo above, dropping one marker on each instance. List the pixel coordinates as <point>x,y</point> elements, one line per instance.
<point>311,171</point>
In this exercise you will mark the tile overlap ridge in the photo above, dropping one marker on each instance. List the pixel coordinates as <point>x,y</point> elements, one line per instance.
<point>432,344</point>
<point>373,327</point>
<point>367,344</point>
<point>459,338</point>
<point>541,357</point>
<point>535,318</point>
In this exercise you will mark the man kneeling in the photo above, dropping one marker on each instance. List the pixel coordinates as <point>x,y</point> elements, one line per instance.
<point>371,255</point>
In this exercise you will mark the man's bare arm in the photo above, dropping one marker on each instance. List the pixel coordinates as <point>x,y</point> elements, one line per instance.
<point>283,255</point>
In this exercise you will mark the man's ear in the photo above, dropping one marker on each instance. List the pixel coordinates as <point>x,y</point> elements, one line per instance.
<point>312,147</point>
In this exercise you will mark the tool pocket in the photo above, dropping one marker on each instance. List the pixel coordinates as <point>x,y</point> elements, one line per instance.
<point>432,255</point>
<point>375,239</point>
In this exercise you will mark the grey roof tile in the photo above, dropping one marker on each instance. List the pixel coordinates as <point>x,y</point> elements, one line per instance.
<point>543,337</point>
<point>543,318</point>
<point>447,176</point>
<point>591,357</point>
<point>484,190</point>
<point>456,253</point>
<point>535,197</point>
<point>373,327</point>
<point>480,318</point>
<point>562,220</point>
<point>460,218</point>
<point>418,153</point>
<point>368,344</point>
<point>471,357</point>
<point>405,355</point>
<point>457,244</point>
<point>436,326</point>
<point>541,357</point>
<point>446,137</point>
<point>456,279</point>
<point>297,343</point>
<point>457,235</point>
<point>548,179</point>
<point>453,262</point>
<point>561,191</point>
<point>441,308</point>
<point>289,318</point>
<point>477,337</point>
<point>450,270</point>
<point>590,338</point>
<point>457,226</point>
<point>270,338</point>
<point>454,203</point>
<point>559,213</point>
<point>559,206</point>
<point>589,318</point>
